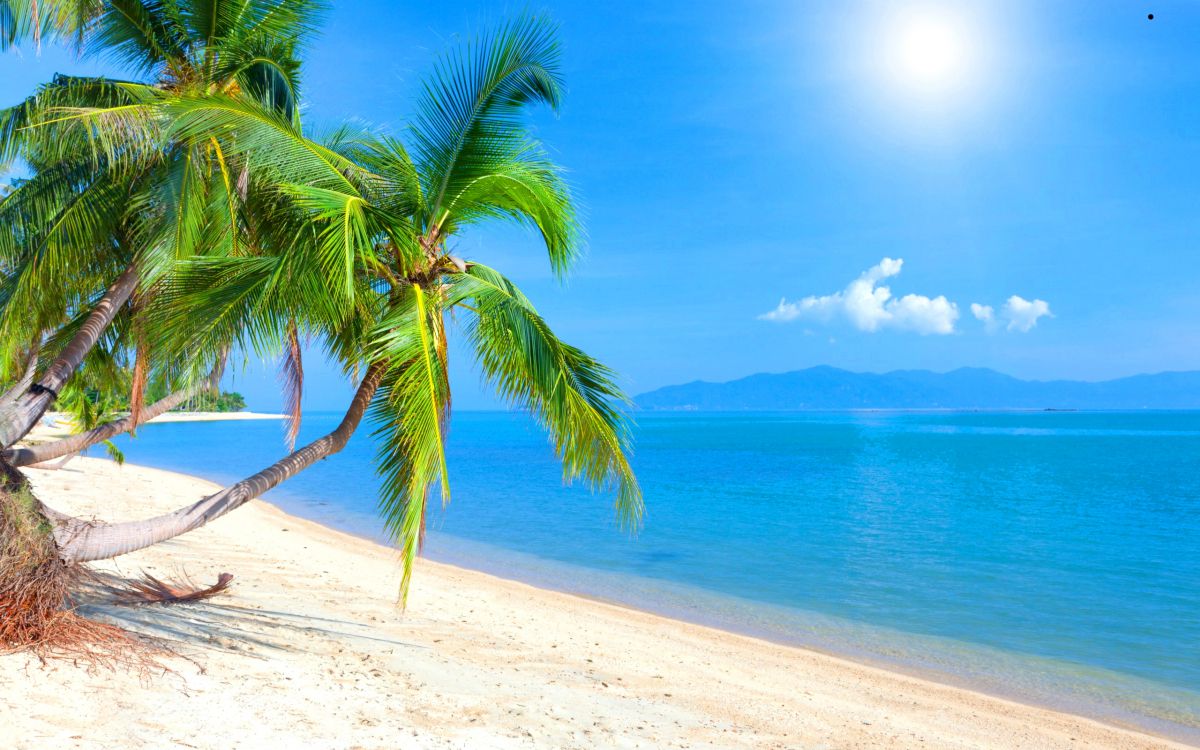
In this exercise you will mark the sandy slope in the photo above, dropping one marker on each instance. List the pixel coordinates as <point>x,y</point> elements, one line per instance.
<point>309,651</point>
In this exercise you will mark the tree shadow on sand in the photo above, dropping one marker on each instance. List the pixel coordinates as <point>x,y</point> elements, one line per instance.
<point>189,629</point>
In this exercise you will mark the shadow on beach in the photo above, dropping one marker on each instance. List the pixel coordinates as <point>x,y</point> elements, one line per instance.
<point>188,629</point>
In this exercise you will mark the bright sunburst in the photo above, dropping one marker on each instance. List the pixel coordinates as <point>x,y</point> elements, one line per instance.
<point>926,65</point>
<point>929,53</point>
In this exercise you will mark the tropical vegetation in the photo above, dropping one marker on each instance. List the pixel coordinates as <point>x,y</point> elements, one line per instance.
<point>222,402</point>
<point>189,217</point>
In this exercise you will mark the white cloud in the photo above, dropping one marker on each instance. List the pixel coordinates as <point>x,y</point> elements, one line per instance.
<point>1018,314</point>
<point>871,307</point>
<point>985,313</point>
<point>1023,314</point>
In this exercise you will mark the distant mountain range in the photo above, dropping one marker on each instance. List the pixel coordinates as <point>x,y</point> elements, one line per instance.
<point>965,388</point>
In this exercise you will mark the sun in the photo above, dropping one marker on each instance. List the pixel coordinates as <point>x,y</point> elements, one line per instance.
<point>927,69</point>
<point>929,53</point>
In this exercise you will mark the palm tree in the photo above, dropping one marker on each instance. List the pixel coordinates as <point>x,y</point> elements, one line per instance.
<point>109,424</point>
<point>363,262</point>
<point>118,195</point>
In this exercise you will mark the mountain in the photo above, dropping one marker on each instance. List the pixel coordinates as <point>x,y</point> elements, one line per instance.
<point>965,388</point>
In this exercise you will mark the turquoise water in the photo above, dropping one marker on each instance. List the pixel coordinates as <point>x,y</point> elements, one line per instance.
<point>1052,557</point>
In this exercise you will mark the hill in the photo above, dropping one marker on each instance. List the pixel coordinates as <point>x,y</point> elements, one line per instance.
<point>966,388</point>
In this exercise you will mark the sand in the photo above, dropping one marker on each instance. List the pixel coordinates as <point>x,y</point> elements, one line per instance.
<point>212,416</point>
<point>308,650</point>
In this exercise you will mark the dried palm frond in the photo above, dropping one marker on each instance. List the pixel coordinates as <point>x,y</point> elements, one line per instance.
<point>151,590</point>
<point>291,375</point>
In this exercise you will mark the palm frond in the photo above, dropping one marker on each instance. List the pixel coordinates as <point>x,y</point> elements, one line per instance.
<point>36,130</point>
<point>272,144</point>
<point>139,36</point>
<point>38,20</point>
<point>526,187</point>
<point>61,230</point>
<point>410,412</point>
<point>115,453</point>
<point>572,395</point>
<point>472,107</point>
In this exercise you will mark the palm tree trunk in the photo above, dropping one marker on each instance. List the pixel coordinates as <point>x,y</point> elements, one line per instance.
<point>82,541</point>
<point>55,467</point>
<point>36,454</point>
<point>17,419</point>
<point>12,394</point>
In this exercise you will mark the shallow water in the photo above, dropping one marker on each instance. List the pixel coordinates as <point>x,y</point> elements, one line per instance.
<point>1052,557</point>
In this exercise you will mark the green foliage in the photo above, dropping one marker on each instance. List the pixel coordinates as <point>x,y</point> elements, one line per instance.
<point>360,260</point>
<point>476,160</point>
<point>89,408</point>
<point>206,400</point>
<point>411,410</point>
<point>252,234</point>
<point>224,402</point>
<point>474,152</point>
<point>118,179</point>
<point>571,394</point>
<point>35,20</point>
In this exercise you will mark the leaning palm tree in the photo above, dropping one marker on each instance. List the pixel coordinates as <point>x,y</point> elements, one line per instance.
<point>365,264</point>
<point>113,181</point>
<point>117,196</point>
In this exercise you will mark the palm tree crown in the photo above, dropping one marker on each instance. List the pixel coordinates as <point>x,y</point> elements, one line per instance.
<point>371,262</point>
<point>242,231</point>
<point>115,186</point>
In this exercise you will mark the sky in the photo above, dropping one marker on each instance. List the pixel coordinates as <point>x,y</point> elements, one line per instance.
<point>769,186</point>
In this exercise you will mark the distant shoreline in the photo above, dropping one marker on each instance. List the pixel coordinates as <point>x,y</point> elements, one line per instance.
<point>213,416</point>
<point>825,388</point>
<point>56,425</point>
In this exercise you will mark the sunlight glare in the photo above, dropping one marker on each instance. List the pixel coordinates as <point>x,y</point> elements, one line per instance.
<point>931,54</point>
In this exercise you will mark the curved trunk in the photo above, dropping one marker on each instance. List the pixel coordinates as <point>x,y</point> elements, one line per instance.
<point>80,541</point>
<point>17,419</point>
<point>12,394</point>
<point>36,454</point>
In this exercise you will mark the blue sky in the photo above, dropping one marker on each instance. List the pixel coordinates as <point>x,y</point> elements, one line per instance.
<point>732,155</point>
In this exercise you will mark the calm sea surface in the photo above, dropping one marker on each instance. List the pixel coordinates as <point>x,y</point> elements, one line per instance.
<point>1051,557</point>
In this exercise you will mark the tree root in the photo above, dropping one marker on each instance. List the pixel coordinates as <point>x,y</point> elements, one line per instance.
<point>38,605</point>
<point>37,611</point>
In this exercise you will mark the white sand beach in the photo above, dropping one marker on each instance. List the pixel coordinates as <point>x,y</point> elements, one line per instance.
<point>212,416</point>
<point>308,650</point>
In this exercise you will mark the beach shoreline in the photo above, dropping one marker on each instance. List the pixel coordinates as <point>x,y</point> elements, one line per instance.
<point>56,425</point>
<point>476,661</point>
<point>213,416</point>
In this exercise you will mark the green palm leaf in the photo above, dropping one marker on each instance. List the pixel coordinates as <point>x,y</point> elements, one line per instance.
<point>469,117</point>
<point>572,395</point>
<point>410,412</point>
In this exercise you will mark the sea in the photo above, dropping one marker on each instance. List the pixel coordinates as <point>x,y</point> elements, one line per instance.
<point>1048,557</point>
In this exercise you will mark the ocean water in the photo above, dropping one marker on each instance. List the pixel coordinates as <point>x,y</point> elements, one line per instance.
<point>1053,557</point>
